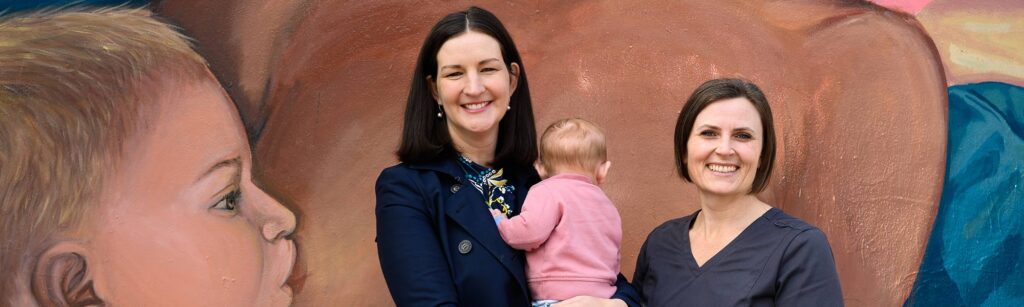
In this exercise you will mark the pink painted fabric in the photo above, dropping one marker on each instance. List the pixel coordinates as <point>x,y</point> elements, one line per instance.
<point>571,232</point>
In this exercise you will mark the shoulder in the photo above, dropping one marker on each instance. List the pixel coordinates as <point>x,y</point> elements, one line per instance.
<point>419,171</point>
<point>785,221</point>
<point>804,237</point>
<point>406,177</point>
<point>669,230</point>
<point>397,170</point>
<point>396,174</point>
<point>550,185</point>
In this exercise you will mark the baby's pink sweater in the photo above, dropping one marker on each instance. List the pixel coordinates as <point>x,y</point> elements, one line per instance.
<point>571,232</point>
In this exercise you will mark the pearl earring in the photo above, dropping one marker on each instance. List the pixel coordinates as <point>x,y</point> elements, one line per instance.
<point>439,111</point>
<point>508,107</point>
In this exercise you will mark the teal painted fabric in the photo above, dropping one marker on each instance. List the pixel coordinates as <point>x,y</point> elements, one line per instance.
<point>975,255</point>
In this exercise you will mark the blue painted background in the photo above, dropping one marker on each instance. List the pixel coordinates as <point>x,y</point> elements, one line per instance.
<point>975,256</point>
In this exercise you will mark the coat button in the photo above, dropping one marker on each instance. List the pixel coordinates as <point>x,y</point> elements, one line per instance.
<point>465,246</point>
<point>455,189</point>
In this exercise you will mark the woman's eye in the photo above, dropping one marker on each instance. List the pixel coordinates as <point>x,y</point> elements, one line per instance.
<point>708,133</point>
<point>453,74</point>
<point>744,136</point>
<point>229,202</point>
<point>489,69</point>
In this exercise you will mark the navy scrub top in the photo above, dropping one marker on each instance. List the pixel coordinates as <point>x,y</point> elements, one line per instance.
<point>776,261</point>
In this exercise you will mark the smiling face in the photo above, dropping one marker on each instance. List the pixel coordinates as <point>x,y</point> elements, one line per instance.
<point>724,147</point>
<point>181,222</point>
<point>473,84</point>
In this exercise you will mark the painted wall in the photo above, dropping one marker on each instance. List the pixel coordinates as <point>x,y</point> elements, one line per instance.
<point>322,85</point>
<point>859,92</point>
<point>974,256</point>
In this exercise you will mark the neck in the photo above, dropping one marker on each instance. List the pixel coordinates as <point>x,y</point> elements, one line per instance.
<point>719,212</point>
<point>478,148</point>
<point>563,171</point>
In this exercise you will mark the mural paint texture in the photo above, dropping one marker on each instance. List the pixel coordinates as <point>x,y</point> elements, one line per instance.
<point>869,126</point>
<point>975,256</point>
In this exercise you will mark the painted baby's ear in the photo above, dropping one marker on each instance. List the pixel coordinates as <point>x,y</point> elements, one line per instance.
<point>62,278</point>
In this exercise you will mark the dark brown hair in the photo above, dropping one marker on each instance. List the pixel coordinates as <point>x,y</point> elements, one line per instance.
<point>717,90</point>
<point>425,137</point>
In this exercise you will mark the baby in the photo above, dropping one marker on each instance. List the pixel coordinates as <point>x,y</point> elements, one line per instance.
<point>125,172</point>
<point>568,227</point>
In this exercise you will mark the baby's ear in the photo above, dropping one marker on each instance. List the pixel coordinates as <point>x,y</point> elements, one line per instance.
<point>602,171</point>
<point>540,169</point>
<point>62,277</point>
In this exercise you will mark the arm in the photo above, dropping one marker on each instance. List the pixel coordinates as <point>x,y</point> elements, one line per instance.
<point>410,252</point>
<point>625,295</point>
<point>640,274</point>
<point>808,274</point>
<point>531,228</point>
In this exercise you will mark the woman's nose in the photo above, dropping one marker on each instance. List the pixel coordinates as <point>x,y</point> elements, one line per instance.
<point>474,86</point>
<point>273,218</point>
<point>725,147</point>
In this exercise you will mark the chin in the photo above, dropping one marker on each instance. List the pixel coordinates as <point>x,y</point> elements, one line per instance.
<point>275,298</point>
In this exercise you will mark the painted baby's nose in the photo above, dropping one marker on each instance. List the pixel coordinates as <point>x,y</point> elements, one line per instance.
<point>276,220</point>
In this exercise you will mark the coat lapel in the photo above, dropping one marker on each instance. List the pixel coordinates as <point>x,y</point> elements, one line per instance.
<point>466,208</point>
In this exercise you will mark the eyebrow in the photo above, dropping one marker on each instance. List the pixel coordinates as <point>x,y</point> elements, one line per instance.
<point>716,128</point>
<point>235,163</point>
<point>481,62</point>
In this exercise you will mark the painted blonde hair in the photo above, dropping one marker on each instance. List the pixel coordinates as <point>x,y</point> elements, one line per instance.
<point>572,143</point>
<point>74,85</point>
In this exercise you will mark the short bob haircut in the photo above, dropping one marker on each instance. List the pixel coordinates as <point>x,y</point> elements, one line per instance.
<point>425,137</point>
<point>717,90</point>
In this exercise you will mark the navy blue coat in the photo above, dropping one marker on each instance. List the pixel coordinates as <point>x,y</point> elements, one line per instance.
<point>439,246</point>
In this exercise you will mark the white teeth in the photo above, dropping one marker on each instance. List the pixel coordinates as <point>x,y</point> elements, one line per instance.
<point>722,168</point>
<point>475,106</point>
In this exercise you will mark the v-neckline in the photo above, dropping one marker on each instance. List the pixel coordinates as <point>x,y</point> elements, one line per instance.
<point>700,269</point>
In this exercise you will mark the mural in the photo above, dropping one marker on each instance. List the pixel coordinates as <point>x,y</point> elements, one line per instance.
<point>126,172</point>
<point>901,122</point>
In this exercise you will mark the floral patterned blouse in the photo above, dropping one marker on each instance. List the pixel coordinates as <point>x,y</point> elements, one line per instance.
<point>498,194</point>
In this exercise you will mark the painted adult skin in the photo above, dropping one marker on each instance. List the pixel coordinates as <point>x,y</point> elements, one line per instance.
<point>181,223</point>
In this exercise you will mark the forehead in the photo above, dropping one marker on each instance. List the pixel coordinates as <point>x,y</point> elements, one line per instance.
<point>192,125</point>
<point>470,46</point>
<point>730,113</point>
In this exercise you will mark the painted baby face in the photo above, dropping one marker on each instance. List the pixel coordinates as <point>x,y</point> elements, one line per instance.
<point>181,223</point>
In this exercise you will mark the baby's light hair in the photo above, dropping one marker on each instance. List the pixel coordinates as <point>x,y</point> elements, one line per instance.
<point>75,83</point>
<point>572,143</point>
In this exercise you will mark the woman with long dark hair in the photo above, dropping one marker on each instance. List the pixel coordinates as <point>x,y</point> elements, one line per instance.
<point>468,146</point>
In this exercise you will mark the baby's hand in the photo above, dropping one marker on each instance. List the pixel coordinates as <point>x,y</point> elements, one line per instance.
<point>498,216</point>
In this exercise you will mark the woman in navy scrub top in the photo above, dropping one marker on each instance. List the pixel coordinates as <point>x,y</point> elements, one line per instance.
<point>736,250</point>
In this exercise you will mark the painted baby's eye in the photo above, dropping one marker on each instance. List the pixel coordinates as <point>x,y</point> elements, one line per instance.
<point>229,202</point>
